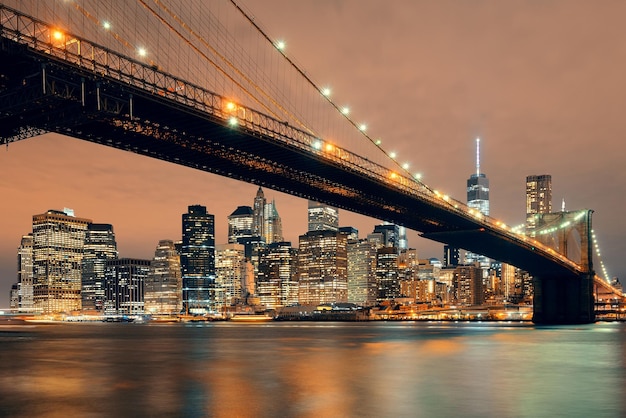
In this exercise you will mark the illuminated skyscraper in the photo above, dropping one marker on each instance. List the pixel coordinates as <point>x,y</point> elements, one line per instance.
<point>273,227</point>
<point>163,286</point>
<point>538,197</point>
<point>478,187</point>
<point>277,285</point>
<point>387,273</point>
<point>58,243</point>
<point>478,198</point>
<point>25,274</point>
<point>390,234</point>
<point>100,246</point>
<point>240,224</point>
<point>197,260</point>
<point>323,217</point>
<point>124,286</point>
<point>230,270</point>
<point>362,287</point>
<point>258,212</point>
<point>468,286</point>
<point>322,267</point>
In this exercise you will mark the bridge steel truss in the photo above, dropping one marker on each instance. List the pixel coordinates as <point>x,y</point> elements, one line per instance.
<point>62,83</point>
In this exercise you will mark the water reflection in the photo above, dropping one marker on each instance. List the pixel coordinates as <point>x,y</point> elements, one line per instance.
<point>312,370</point>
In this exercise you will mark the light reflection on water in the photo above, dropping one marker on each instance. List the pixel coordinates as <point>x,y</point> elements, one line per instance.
<point>313,370</point>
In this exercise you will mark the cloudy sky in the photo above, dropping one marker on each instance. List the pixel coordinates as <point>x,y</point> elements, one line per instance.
<point>541,82</point>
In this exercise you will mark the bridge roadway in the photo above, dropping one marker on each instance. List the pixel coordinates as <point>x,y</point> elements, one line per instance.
<point>53,82</point>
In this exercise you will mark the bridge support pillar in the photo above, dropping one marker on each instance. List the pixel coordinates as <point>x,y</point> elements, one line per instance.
<point>563,300</point>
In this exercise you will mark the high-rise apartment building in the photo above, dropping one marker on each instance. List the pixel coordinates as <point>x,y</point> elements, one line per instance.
<point>322,217</point>
<point>230,271</point>
<point>25,274</point>
<point>124,286</point>
<point>322,267</point>
<point>100,246</point>
<point>538,197</point>
<point>362,287</point>
<point>468,285</point>
<point>163,285</point>
<point>197,260</point>
<point>277,285</point>
<point>58,243</point>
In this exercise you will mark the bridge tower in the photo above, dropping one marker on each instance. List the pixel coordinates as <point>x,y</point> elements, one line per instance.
<point>562,300</point>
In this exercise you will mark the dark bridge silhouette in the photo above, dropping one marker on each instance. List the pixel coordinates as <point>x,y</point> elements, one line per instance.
<point>62,83</point>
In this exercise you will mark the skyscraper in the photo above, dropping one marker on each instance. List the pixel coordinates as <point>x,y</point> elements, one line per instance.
<point>100,246</point>
<point>197,260</point>
<point>240,224</point>
<point>478,187</point>
<point>478,199</point>
<point>58,243</point>
<point>390,234</point>
<point>124,286</point>
<point>387,273</point>
<point>25,274</point>
<point>276,280</point>
<point>273,227</point>
<point>362,287</point>
<point>323,217</point>
<point>538,197</point>
<point>258,210</point>
<point>230,270</point>
<point>163,286</point>
<point>322,267</point>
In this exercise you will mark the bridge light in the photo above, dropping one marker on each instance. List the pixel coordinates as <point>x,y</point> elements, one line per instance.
<point>405,166</point>
<point>418,176</point>
<point>378,142</point>
<point>326,91</point>
<point>106,25</point>
<point>317,144</point>
<point>330,147</point>
<point>392,155</point>
<point>230,106</point>
<point>393,175</point>
<point>345,110</point>
<point>232,121</point>
<point>142,52</point>
<point>363,127</point>
<point>280,45</point>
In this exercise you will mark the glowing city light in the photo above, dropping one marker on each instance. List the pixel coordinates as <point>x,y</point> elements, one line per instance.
<point>280,45</point>
<point>106,25</point>
<point>230,106</point>
<point>232,121</point>
<point>57,34</point>
<point>378,142</point>
<point>142,52</point>
<point>418,176</point>
<point>330,147</point>
<point>392,155</point>
<point>317,144</point>
<point>363,127</point>
<point>345,110</point>
<point>326,91</point>
<point>405,166</point>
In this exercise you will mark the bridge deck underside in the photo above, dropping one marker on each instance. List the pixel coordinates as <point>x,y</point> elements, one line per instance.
<point>165,129</point>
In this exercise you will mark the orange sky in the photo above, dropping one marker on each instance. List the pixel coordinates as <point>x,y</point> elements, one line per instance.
<point>542,84</point>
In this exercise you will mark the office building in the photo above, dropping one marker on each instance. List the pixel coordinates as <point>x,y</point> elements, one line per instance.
<point>538,197</point>
<point>478,199</point>
<point>230,272</point>
<point>163,286</point>
<point>124,286</point>
<point>58,243</point>
<point>258,214</point>
<point>100,246</point>
<point>240,224</point>
<point>387,274</point>
<point>468,285</point>
<point>322,267</point>
<point>390,234</point>
<point>197,260</point>
<point>273,227</point>
<point>277,284</point>
<point>322,217</point>
<point>362,286</point>
<point>25,274</point>
<point>450,256</point>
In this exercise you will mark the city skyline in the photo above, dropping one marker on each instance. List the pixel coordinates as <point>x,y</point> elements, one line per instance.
<point>537,112</point>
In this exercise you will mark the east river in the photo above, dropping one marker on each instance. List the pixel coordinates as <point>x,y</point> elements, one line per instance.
<point>307,369</point>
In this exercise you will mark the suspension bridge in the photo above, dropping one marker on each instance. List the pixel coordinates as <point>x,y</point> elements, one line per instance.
<point>66,67</point>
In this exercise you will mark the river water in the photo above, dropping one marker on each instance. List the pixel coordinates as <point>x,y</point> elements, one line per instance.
<point>306,369</point>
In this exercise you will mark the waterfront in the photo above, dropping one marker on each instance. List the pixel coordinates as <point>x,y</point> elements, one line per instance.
<point>297,369</point>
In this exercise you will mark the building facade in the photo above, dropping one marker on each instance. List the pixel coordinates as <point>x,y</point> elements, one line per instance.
<point>197,260</point>
<point>125,285</point>
<point>163,285</point>
<point>538,197</point>
<point>322,217</point>
<point>25,274</point>
<point>322,267</point>
<point>230,273</point>
<point>58,243</point>
<point>277,284</point>
<point>100,246</point>
<point>362,286</point>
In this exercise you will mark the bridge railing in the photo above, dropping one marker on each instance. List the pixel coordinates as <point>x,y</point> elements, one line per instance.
<point>54,43</point>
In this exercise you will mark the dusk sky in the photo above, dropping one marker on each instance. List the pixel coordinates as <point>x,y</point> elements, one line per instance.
<point>542,83</point>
